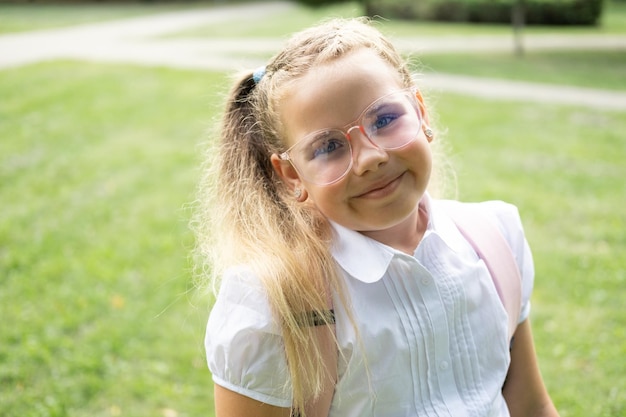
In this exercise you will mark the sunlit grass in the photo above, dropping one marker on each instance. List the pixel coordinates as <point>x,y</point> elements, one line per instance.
<point>97,166</point>
<point>563,167</point>
<point>25,16</point>
<point>591,69</point>
<point>99,163</point>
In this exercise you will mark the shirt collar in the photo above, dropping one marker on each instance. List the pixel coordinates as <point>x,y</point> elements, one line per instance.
<point>360,256</point>
<point>367,259</point>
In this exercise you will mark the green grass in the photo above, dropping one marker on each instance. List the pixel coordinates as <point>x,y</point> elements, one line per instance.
<point>20,17</point>
<point>99,162</point>
<point>590,69</point>
<point>570,192</point>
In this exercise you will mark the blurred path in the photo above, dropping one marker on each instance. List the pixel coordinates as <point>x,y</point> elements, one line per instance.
<point>136,41</point>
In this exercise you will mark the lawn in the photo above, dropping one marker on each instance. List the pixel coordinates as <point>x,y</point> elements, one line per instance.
<point>22,16</point>
<point>97,172</point>
<point>98,169</point>
<point>563,167</point>
<point>589,69</point>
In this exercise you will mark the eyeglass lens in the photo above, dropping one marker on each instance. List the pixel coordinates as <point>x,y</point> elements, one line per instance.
<point>390,122</point>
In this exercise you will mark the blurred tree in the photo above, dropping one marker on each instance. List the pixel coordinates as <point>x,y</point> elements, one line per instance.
<point>318,3</point>
<point>536,12</point>
<point>518,18</point>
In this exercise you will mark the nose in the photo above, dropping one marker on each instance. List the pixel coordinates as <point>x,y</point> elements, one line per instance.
<point>366,154</point>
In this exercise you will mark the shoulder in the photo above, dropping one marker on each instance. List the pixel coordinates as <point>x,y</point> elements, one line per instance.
<point>243,342</point>
<point>501,209</point>
<point>505,216</point>
<point>505,213</point>
<point>241,302</point>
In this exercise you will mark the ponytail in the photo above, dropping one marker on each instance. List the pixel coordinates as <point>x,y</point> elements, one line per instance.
<point>255,221</point>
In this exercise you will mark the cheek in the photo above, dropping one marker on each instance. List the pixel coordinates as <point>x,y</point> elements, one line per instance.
<point>420,152</point>
<point>328,200</point>
<point>414,155</point>
<point>324,195</point>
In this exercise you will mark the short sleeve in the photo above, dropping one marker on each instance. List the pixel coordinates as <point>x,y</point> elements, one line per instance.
<point>510,224</point>
<point>243,342</point>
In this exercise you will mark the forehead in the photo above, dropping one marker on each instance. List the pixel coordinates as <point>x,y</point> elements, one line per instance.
<point>333,94</point>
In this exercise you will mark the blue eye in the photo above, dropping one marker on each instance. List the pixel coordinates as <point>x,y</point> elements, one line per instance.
<point>326,147</point>
<point>384,120</point>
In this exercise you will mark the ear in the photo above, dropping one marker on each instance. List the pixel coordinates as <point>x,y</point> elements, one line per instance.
<point>286,172</point>
<point>420,101</point>
<point>424,112</point>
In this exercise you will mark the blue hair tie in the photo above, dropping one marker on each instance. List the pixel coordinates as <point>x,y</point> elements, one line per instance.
<point>258,74</point>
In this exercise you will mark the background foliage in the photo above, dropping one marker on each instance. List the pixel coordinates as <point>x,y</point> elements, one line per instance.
<point>537,12</point>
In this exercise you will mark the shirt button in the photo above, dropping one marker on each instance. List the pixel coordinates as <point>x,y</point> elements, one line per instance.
<point>444,365</point>
<point>425,281</point>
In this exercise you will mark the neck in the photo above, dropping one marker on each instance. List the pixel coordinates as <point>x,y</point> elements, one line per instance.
<point>406,235</point>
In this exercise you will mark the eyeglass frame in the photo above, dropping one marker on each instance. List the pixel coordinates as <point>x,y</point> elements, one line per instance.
<point>356,124</point>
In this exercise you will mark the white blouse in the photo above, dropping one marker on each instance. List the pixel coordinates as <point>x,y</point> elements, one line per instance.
<point>432,330</point>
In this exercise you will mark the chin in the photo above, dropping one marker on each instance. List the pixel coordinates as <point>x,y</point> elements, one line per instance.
<point>390,223</point>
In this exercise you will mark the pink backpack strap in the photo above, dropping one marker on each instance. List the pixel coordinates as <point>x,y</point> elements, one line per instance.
<point>491,246</point>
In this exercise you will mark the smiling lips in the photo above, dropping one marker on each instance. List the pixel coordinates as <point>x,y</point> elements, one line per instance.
<point>381,189</point>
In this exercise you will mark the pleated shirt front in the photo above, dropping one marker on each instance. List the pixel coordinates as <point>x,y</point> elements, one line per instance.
<point>430,337</point>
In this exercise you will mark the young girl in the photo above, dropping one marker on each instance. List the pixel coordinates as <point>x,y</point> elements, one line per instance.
<point>346,289</point>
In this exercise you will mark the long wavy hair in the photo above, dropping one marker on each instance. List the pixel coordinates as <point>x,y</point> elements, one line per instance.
<point>249,216</point>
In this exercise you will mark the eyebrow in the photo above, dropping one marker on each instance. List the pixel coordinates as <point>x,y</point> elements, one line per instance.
<point>377,108</point>
<point>317,135</point>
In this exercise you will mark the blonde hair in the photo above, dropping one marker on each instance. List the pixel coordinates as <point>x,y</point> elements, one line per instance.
<point>249,215</point>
